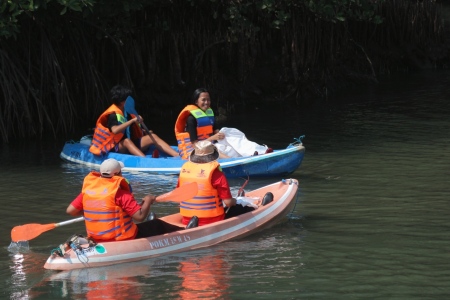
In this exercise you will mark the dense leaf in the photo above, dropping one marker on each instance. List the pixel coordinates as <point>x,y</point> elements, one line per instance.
<point>58,58</point>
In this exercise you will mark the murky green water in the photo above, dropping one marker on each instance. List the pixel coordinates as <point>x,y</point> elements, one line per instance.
<point>373,222</point>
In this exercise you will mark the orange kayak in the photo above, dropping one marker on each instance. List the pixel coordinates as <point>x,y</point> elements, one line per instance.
<point>110,253</point>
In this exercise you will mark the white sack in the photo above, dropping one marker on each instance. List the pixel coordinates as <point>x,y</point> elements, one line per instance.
<point>247,201</point>
<point>235,144</point>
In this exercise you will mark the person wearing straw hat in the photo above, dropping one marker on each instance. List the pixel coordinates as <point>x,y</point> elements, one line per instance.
<point>208,205</point>
<point>109,207</point>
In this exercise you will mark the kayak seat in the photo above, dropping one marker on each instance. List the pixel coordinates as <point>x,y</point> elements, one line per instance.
<point>268,197</point>
<point>193,222</point>
<point>151,216</point>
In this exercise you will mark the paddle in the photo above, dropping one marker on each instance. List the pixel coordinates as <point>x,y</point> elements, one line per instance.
<point>30,231</point>
<point>184,192</point>
<point>129,107</point>
<point>240,193</point>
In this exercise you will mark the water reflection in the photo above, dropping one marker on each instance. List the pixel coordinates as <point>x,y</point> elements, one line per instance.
<point>19,247</point>
<point>113,282</point>
<point>26,271</point>
<point>204,273</point>
<point>205,277</point>
<point>78,172</point>
<point>372,221</point>
<point>18,277</point>
<point>201,275</point>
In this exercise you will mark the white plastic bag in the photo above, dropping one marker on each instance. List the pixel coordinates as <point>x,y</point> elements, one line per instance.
<point>247,201</point>
<point>235,144</point>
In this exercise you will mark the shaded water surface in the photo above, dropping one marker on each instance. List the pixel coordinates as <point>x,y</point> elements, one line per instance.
<point>372,222</point>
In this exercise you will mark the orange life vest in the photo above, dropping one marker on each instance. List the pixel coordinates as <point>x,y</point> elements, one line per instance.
<point>205,125</point>
<point>103,218</point>
<point>206,204</point>
<point>104,140</point>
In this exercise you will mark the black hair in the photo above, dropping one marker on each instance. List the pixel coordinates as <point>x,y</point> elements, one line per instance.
<point>119,94</point>
<point>197,93</point>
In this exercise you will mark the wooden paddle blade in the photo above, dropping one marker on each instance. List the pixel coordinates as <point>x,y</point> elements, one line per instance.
<point>29,231</point>
<point>184,192</point>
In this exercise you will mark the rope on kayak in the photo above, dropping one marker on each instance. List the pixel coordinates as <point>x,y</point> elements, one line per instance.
<point>298,141</point>
<point>58,251</point>
<point>74,243</point>
<point>297,199</point>
<point>79,252</point>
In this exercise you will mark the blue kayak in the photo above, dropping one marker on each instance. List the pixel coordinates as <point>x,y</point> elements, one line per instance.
<point>277,163</point>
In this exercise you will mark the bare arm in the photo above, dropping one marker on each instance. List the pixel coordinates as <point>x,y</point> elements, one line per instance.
<point>121,128</point>
<point>216,136</point>
<point>142,213</point>
<point>71,210</point>
<point>229,202</point>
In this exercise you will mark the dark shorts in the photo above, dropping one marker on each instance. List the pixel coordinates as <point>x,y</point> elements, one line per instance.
<point>137,142</point>
<point>155,227</point>
<point>237,210</point>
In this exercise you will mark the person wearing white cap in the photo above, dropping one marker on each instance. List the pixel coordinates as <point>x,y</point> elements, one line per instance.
<point>207,206</point>
<point>110,209</point>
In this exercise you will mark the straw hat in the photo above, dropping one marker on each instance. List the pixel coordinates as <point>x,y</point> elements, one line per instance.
<point>204,152</point>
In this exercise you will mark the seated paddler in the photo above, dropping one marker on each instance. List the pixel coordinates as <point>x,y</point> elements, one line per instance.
<point>110,210</point>
<point>119,131</point>
<point>213,189</point>
<point>196,122</point>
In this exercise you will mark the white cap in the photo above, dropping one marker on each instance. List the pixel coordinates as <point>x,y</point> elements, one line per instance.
<point>111,167</point>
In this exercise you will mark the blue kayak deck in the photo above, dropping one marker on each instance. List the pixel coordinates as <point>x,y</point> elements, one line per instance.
<point>279,162</point>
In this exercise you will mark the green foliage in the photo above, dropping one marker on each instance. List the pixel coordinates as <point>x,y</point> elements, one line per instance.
<point>68,53</point>
<point>242,16</point>
<point>342,10</point>
<point>11,11</point>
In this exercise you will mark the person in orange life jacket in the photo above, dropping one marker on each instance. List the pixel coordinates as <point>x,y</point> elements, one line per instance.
<point>109,207</point>
<point>195,123</point>
<point>128,136</point>
<point>204,169</point>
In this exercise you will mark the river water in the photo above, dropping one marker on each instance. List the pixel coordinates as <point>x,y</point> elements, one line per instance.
<point>372,222</point>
